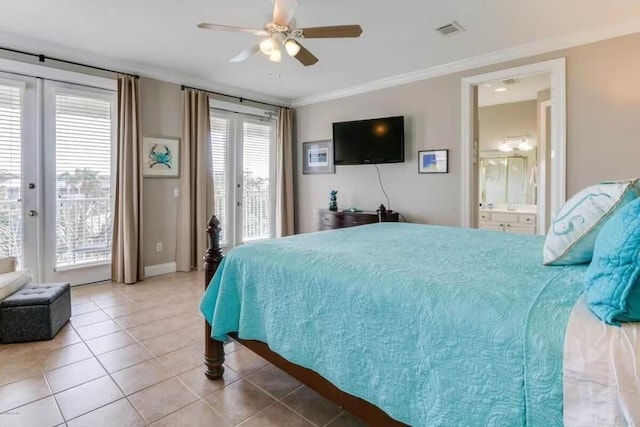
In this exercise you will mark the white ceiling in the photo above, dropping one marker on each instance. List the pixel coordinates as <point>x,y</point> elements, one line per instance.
<point>160,38</point>
<point>523,90</point>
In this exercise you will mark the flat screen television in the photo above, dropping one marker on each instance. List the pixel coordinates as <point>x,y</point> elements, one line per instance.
<point>369,141</point>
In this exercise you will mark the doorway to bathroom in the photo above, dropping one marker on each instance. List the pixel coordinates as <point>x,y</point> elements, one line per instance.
<point>513,148</point>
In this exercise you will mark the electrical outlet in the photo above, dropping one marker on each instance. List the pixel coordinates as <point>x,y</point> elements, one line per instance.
<point>176,192</point>
<point>158,246</point>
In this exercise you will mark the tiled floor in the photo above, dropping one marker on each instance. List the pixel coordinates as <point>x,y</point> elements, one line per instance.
<point>132,356</point>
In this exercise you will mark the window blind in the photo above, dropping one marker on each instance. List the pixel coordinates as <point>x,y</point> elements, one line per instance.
<point>11,221</point>
<point>257,217</point>
<point>220,137</point>
<point>83,178</point>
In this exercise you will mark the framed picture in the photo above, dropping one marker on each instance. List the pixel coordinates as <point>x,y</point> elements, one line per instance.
<point>160,157</point>
<point>318,157</point>
<point>433,161</point>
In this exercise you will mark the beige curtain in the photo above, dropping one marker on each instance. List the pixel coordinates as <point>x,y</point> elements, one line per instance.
<point>195,205</point>
<point>126,251</point>
<point>284,167</point>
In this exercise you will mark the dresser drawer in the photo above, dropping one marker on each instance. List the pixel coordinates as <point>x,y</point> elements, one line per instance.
<point>528,219</point>
<point>504,217</point>
<point>329,220</point>
<point>358,219</point>
<point>484,216</point>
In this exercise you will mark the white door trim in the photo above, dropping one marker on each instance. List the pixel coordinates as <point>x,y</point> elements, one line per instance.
<point>542,169</point>
<point>557,69</point>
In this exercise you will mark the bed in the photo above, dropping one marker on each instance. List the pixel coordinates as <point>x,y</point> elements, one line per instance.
<point>401,323</point>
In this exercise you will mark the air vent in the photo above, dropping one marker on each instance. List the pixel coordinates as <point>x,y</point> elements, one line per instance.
<point>510,81</point>
<point>450,29</point>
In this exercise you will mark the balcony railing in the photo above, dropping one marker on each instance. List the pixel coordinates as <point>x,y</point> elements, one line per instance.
<point>83,231</point>
<point>256,222</point>
<point>11,227</point>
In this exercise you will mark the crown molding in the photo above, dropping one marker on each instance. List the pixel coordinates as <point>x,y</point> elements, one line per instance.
<point>42,47</point>
<point>518,52</point>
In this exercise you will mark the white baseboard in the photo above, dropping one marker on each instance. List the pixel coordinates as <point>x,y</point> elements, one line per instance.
<point>159,269</point>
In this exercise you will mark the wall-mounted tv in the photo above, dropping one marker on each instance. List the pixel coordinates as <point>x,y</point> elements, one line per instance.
<point>369,141</point>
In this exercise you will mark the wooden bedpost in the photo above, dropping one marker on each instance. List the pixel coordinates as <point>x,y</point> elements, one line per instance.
<point>213,349</point>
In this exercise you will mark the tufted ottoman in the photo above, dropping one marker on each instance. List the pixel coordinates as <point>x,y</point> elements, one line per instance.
<point>35,312</point>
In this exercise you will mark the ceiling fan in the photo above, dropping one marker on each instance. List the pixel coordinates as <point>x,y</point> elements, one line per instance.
<point>282,34</point>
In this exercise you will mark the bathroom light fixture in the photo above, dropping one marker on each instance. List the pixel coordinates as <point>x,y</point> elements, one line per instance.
<point>500,89</point>
<point>525,146</point>
<point>511,143</point>
<point>505,148</point>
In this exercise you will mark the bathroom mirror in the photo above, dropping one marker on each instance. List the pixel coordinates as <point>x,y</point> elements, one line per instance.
<point>507,178</point>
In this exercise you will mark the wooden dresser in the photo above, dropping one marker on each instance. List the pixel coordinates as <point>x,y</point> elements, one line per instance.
<point>325,219</point>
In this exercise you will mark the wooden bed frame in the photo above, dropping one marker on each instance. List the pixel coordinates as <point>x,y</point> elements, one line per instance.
<point>214,353</point>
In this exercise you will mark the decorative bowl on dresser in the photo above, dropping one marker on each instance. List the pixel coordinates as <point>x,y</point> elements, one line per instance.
<point>325,219</point>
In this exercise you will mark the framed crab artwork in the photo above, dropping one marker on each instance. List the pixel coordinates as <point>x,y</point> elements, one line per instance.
<point>160,157</point>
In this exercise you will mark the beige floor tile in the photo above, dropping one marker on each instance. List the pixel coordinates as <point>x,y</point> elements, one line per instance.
<point>274,381</point>
<point>42,413</point>
<point>183,360</point>
<point>245,362</point>
<point>163,326</point>
<point>174,340</point>
<point>86,307</point>
<point>88,397</point>
<point>88,319</point>
<point>75,374</point>
<point>195,415</point>
<point>203,386</point>
<point>162,399</point>
<point>64,356</point>
<point>143,375</point>
<point>346,420</point>
<point>122,310</point>
<point>312,406</point>
<point>239,401</point>
<point>124,357</point>
<point>18,370</point>
<point>112,301</point>
<point>98,329</point>
<point>21,392</point>
<point>110,342</point>
<point>276,415</point>
<point>116,414</point>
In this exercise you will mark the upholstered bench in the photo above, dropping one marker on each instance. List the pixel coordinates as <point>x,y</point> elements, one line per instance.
<point>35,312</point>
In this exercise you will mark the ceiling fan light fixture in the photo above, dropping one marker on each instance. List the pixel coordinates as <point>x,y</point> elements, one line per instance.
<point>275,55</point>
<point>267,46</point>
<point>292,47</point>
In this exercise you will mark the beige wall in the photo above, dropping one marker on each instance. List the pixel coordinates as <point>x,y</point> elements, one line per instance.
<point>499,121</point>
<point>160,110</point>
<point>603,127</point>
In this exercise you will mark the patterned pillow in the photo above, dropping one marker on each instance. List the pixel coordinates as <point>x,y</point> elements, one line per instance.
<point>612,282</point>
<point>573,233</point>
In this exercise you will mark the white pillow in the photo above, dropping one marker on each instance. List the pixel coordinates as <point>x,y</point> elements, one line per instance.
<point>573,233</point>
<point>13,282</point>
<point>8,264</point>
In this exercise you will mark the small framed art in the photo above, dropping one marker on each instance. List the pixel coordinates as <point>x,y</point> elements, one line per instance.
<point>317,157</point>
<point>161,157</point>
<point>433,161</point>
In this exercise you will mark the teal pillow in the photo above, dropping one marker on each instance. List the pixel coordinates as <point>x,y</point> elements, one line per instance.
<point>612,284</point>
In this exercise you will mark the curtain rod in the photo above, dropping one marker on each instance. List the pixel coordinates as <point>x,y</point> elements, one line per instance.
<point>233,96</point>
<point>43,58</point>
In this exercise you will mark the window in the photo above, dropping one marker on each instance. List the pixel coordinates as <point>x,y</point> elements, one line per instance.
<point>243,160</point>
<point>83,178</point>
<point>11,222</point>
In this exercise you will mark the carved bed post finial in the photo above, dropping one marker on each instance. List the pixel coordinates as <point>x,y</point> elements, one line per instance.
<point>213,350</point>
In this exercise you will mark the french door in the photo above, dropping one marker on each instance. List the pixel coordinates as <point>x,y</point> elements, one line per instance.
<point>55,182</point>
<point>243,163</point>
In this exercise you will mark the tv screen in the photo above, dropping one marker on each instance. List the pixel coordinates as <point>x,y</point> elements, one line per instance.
<point>369,141</point>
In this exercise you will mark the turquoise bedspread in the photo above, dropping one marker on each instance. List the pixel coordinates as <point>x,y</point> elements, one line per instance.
<point>437,326</point>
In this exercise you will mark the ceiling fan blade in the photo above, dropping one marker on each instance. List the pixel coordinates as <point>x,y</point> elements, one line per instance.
<point>305,57</point>
<point>339,31</point>
<point>246,54</point>
<point>283,11</point>
<point>217,27</point>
